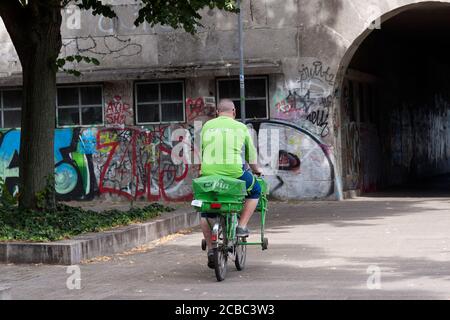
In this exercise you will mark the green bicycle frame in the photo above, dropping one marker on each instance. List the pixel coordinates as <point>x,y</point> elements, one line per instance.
<point>226,197</point>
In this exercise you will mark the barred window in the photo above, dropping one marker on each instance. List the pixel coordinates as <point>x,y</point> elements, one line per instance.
<point>256,96</point>
<point>79,105</point>
<point>159,102</point>
<point>11,106</point>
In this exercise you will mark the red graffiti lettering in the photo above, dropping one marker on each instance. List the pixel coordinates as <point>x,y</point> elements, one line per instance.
<point>139,164</point>
<point>117,112</point>
<point>196,108</point>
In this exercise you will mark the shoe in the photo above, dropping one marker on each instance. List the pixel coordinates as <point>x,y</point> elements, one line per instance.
<point>242,232</point>
<point>211,263</point>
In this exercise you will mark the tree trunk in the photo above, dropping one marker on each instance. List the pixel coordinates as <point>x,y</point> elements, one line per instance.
<point>36,33</point>
<point>38,126</point>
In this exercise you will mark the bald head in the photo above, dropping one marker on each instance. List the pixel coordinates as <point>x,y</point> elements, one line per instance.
<point>226,108</point>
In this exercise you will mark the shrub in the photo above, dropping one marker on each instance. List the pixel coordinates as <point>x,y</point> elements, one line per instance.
<point>67,221</point>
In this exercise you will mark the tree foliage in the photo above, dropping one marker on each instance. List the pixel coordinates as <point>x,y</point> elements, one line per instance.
<point>178,14</point>
<point>175,13</point>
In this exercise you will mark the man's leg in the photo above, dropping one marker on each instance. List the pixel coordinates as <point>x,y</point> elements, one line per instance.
<point>250,203</point>
<point>249,208</point>
<point>206,232</point>
<point>206,228</point>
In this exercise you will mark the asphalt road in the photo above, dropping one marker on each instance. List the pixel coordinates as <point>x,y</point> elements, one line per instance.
<point>392,245</point>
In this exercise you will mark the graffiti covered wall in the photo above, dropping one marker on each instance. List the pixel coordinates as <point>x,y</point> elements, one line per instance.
<point>307,98</point>
<point>136,164</point>
<point>304,99</point>
<point>303,166</point>
<point>131,163</point>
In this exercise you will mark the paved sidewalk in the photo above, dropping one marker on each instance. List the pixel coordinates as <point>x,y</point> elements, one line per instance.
<point>317,250</point>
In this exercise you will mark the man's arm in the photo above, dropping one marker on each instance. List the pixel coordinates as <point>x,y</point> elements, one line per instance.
<point>251,154</point>
<point>200,152</point>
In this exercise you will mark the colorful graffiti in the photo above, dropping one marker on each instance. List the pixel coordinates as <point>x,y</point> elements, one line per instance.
<point>133,163</point>
<point>295,103</point>
<point>74,172</point>
<point>308,102</point>
<point>138,164</point>
<point>304,167</point>
<point>289,162</point>
<point>117,111</point>
<point>9,159</point>
<point>200,108</point>
<point>312,113</point>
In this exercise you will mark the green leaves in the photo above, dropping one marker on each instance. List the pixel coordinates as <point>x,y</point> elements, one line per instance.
<point>98,8</point>
<point>175,13</point>
<point>45,199</point>
<point>74,72</point>
<point>7,199</point>
<point>61,62</point>
<point>179,13</point>
<point>67,221</point>
<point>55,222</point>
<point>91,60</point>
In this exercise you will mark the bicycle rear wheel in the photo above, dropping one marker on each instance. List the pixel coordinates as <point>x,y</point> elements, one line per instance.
<point>221,252</point>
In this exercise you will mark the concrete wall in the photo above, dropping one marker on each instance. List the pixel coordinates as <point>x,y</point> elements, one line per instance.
<point>305,46</point>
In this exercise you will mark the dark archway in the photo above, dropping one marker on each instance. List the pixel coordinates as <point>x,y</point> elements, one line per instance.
<point>395,100</point>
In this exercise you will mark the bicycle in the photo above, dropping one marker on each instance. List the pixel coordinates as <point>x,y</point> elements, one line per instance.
<point>225,197</point>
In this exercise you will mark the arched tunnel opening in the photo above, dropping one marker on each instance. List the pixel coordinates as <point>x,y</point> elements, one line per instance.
<point>395,105</point>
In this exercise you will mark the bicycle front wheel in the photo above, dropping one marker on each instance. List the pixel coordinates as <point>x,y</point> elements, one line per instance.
<point>240,254</point>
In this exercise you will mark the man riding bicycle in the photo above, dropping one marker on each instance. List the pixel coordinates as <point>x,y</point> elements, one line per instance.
<point>224,142</point>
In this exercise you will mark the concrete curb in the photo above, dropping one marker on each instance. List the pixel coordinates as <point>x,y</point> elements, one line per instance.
<point>88,246</point>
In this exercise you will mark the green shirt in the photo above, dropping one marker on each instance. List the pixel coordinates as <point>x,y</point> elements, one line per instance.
<point>223,142</point>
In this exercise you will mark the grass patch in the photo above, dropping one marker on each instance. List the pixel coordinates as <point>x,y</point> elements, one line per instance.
<point>66,221</point>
